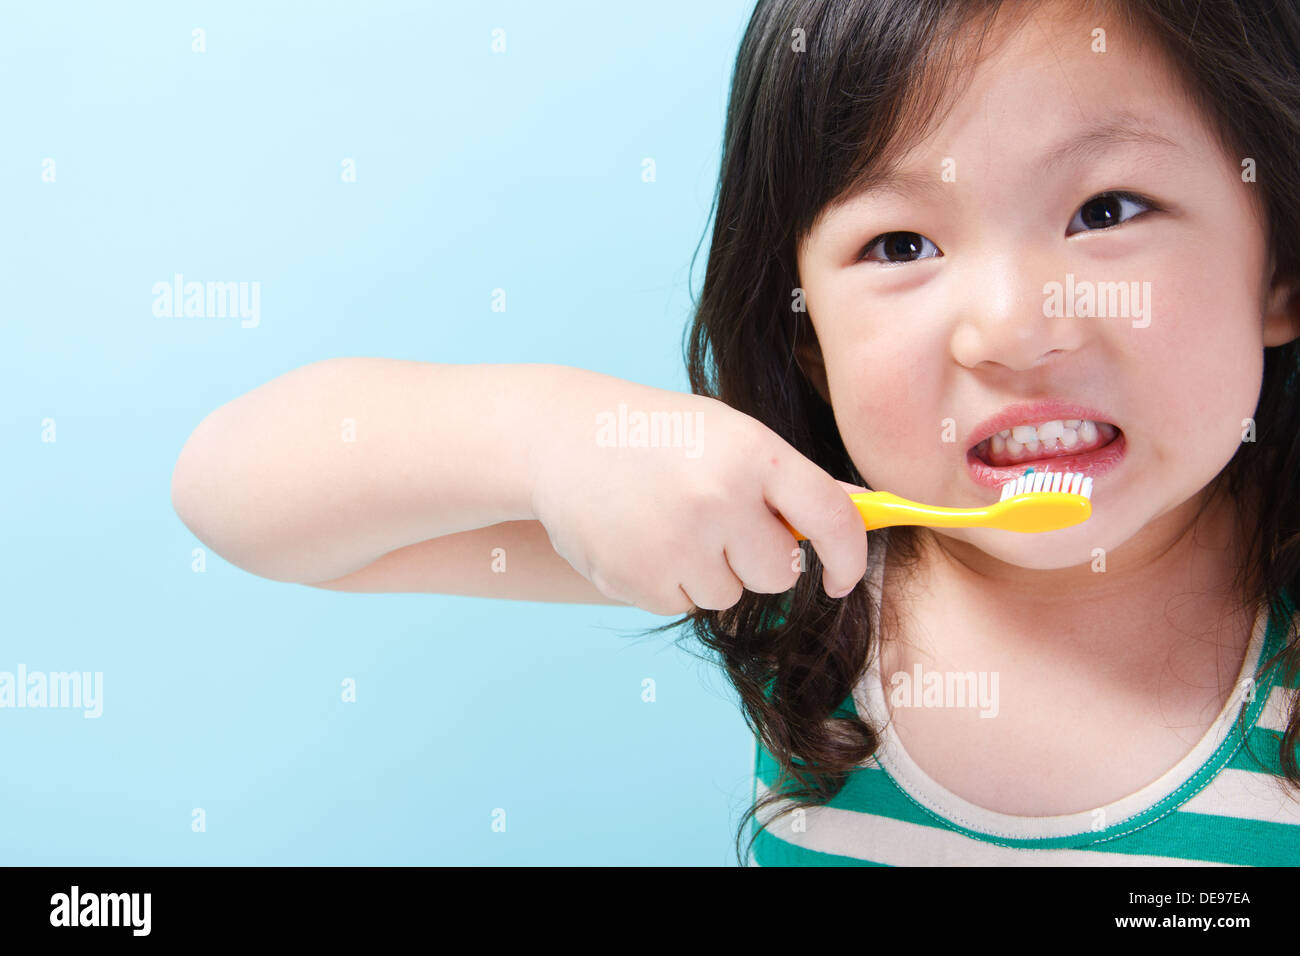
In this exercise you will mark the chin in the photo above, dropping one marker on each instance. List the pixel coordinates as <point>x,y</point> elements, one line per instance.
<point>1046,551</point>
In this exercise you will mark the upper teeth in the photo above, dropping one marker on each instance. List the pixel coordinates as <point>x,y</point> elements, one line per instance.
<point>1070,431</point>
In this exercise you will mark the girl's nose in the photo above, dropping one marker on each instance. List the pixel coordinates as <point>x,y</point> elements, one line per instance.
<point>1003,319</point>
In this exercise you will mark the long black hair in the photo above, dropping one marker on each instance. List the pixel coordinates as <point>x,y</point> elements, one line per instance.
<point>803,127</point>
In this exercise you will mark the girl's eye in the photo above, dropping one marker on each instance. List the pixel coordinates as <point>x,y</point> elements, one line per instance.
<point>1106,210</point>
<point>905,245</point>
<point>1102,211</point>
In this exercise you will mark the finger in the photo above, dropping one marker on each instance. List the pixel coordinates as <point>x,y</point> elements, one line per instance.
<point>676,605</point>
<point>714,586</point>
<point>820,507</point>
<point>764,555</point>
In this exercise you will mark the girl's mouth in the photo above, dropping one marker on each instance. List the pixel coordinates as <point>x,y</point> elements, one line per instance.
<point>1027,444</point>
<point>1091,448</point>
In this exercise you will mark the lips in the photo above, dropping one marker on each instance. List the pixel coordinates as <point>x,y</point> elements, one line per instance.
<point>1034,413</point>
<point>1091,464</point>
<point>1092,459</point>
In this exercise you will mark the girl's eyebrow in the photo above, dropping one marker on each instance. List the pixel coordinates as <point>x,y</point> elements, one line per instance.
<point>1099,138</point>
<point>1087,143</point>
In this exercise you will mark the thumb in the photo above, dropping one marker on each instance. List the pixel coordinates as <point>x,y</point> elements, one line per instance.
<point>851,488</point>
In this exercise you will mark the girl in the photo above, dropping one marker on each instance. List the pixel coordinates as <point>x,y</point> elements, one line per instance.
<point>907,187</point>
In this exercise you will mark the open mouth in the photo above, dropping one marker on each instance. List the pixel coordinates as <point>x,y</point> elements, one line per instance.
<point>1047,441</point>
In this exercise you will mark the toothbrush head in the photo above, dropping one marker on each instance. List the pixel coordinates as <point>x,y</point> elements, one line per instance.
<point>1062,482</point>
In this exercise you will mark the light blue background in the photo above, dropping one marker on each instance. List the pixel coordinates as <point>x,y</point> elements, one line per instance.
<point>475,171</point>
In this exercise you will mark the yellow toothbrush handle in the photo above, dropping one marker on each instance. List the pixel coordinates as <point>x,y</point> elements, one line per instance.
<point>1028,512</point>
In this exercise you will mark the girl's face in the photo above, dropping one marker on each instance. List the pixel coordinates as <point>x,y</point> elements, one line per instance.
<point>925,335</point>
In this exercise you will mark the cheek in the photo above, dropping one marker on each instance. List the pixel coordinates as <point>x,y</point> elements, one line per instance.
<point>1204,348</point>
<point>1201,362</point>
<point>877,395</point>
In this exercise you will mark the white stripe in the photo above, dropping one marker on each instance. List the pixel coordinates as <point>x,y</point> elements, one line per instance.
<point>1275,712</point>
<point>867,836</point>
<point>1243,793</point>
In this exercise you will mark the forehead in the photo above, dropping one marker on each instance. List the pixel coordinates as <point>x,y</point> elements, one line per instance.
<point>1038,100</point>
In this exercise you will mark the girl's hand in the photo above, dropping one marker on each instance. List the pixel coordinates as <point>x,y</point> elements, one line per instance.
<point>668,529</point>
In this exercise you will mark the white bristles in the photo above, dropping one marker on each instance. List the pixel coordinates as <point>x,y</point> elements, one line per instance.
<point>1068,482</point>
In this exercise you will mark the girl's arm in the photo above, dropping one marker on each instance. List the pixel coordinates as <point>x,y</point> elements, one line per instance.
<point>526,568</point>
<point>367,474</point>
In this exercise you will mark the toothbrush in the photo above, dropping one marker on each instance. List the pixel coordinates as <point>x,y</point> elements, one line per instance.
<point>1043,501</point>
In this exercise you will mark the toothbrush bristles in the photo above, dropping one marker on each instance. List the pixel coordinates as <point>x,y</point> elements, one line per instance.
<point>1068,482</point>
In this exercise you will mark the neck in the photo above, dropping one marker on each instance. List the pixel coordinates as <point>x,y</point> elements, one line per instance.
<point>1171,582</point>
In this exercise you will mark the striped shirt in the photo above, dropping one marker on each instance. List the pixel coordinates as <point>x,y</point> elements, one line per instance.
<point>1222,804</point>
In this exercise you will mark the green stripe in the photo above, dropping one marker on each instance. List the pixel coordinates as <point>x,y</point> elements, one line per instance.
<point>1265,754</point>
<point>866,787</point>
<point>1182,836</point>
<point>1215,839</point>
<point>771,850</point>
<point>874,788</point>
